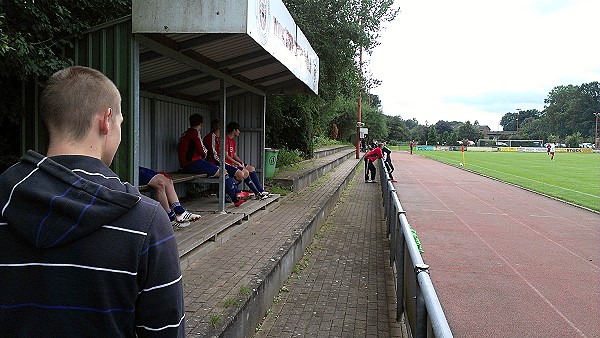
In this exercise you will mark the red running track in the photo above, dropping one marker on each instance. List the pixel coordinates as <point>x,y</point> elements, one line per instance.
<point>505,262</point>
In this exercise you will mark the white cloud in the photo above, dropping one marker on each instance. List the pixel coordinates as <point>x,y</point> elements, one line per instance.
<point>477,60</point>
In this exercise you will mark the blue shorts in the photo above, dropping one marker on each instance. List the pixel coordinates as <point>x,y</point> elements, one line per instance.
<point>201,167</point>
<point>231,170</point>
<point>146,175</point>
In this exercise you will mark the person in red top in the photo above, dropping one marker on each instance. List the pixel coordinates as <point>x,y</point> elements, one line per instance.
<point>192,158</point>
<point>231,158</point>
<point>370,157</point>
<point>412,145</point>
<point>212,142</point>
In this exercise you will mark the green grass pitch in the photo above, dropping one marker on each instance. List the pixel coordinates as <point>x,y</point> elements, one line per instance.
<point>572,177</point>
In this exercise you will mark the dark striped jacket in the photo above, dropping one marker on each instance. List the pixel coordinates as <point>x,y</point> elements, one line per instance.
<point>83,254</point>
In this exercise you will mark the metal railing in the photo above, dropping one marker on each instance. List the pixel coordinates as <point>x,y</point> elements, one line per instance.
<point>415,295</point>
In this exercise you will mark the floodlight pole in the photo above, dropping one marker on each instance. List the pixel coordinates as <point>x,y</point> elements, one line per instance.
<point>359,109</point>
<point>596,138</point>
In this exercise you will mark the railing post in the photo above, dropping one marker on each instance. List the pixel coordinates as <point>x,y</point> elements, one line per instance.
<point>399,252</point>
<point>388,210</point>
<point>421,329</point>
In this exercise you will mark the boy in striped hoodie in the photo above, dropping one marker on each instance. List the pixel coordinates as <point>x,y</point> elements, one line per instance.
<point>82,253</point>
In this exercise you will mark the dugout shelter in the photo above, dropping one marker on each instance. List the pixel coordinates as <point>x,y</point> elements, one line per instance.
<point>170,59</point>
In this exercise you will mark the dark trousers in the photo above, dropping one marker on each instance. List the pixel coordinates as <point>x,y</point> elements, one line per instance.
<point>390,168</point>
<point>369,168</point>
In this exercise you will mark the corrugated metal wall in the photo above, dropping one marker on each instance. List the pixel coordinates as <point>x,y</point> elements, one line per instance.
<point>163,120</point>
<point>248,111</point>
<point>110,49</point>
<point>161,124</point>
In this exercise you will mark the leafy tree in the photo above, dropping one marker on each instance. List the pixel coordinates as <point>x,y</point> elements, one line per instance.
<point>286,118</point>
<point>337,29</point>
<point>442,126</point>
<point>354,25</point>
<point>396,129</point>
<point>574,140</point>
<point>467,131</point>
<point>34,32</point>
<point>509,122</point>
<point>534,128</point>
<point>376,122</point>
<point>453,139</point>
<point>553,138</point>
<point>410,124</point>
<point>432,136</point>
<point>569,108</point>
<point>444,137</point>
<point>419,133</point>
<point>32,35</point>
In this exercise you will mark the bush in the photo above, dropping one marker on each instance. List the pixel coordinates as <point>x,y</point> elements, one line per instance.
<point>288,157</point>
<point>322,141</point>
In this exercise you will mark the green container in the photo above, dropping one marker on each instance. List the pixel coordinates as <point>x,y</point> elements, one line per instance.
<point>270,161</point>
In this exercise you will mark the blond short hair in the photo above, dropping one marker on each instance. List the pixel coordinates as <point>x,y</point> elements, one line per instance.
<point>72,97</point>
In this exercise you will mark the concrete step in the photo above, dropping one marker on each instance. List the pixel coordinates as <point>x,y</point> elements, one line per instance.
<point>326,151</point>
<point>304,173</point>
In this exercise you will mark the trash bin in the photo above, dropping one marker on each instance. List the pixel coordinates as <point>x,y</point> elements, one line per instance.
<point>270,161</point>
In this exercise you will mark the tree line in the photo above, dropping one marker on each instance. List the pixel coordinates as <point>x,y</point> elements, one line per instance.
<point>568,116</point>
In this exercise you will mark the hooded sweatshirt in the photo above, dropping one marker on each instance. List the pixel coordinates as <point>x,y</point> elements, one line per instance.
<point>83,254</point>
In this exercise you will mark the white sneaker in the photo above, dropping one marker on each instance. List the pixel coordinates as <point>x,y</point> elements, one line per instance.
<point>187,217</point>
<point>176,224</point>
<point>263,195</point>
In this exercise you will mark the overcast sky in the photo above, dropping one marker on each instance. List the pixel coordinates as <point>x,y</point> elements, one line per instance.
<point>480,59</point>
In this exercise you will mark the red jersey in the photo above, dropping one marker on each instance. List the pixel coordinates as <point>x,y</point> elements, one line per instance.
<point>374,154</point>
<point>190,147</point>
<point>230,147</point>
<point>212,142</point>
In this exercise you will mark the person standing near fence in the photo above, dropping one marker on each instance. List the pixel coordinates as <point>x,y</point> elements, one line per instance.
<point>387,154</point>
<point>371,157</point>
<point>81,252</point>
<point>412,145</point>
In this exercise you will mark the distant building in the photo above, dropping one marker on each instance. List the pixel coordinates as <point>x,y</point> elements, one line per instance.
<point>485,130</point>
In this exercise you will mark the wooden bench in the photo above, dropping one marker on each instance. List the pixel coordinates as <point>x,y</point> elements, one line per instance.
<point>179,177</point>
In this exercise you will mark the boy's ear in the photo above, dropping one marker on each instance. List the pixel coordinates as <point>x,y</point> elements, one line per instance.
<point>105,120</point>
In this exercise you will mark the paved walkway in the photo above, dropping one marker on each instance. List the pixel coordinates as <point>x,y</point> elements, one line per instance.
<point>343,286</point>
<point>505,262</point>
<point>351,292</point>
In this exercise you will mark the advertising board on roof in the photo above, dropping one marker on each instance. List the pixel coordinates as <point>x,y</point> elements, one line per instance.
<point>271,25</point>
<point>268,22</point>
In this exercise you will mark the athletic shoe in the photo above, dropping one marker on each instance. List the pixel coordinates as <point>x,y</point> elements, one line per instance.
<point>187,217</point>
<point>394,181</point>
<point>242,195</point>
<point>367,181</point>
<point>263,195</point>
<point>176,224</point>
<point>239,202</point>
